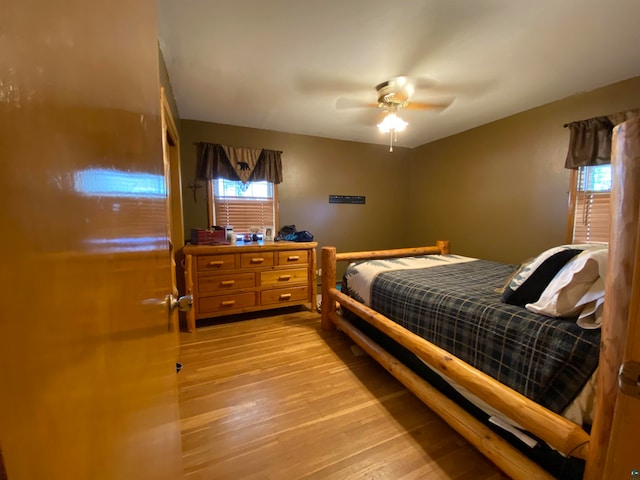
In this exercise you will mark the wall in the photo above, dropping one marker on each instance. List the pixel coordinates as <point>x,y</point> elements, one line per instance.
<point>500,191</point>
<point>313,169</point>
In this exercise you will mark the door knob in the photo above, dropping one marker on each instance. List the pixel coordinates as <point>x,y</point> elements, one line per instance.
<point>629,379</point>
<point>183,303</point>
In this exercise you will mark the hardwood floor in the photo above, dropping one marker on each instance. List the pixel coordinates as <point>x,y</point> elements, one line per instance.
<point>277,398</point>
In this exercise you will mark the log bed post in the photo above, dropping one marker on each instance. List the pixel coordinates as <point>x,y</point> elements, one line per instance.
<point>625,198</point>
<point>328,281</point>
<point>443,245</point>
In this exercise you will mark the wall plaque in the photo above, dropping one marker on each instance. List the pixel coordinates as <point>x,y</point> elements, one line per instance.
<point>359,199</point>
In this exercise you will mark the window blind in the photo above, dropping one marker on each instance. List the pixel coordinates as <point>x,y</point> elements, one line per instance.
<point>243,213</point>
<point>592,211</point>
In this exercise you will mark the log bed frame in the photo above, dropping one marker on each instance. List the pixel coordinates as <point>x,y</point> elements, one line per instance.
<point>562,434</point>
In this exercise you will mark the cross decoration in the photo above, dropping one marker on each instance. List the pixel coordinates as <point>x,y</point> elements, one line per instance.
<point>194,186</point>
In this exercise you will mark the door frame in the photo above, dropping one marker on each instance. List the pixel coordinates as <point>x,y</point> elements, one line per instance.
<point>175,218</point>
<point>172,153</point>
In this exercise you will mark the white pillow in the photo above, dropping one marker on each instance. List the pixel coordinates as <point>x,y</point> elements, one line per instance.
<point>531,290</point>
<point>577,289</point>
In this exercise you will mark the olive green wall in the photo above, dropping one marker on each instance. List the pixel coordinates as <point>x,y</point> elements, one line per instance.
<point>313,169</point>
<point>500,191</point>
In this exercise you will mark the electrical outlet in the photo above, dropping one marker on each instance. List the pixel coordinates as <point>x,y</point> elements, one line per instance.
<point>319,272</point>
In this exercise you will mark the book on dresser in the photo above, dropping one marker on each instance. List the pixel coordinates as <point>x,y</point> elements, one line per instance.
<point>248,277</point>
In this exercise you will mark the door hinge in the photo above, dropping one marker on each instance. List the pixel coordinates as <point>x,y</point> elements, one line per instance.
<point>629,379</point>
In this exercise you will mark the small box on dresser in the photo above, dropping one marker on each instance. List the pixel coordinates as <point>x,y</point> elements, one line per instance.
<point>247,277</point>
<point>201,236</point>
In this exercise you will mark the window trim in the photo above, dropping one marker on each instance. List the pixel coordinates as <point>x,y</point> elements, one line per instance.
<point>573,200</point>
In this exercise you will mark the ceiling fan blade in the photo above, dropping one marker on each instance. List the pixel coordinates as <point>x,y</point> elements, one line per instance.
<point>323,84</point>
<point>474,88</point>
<point>431,29</point>
<point>343,103</point>
<point>428,105</point>
<point>422,82</point>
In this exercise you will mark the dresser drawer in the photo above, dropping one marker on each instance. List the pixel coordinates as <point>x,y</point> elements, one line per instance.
<point>220,303</point>
<point>255,260</point>
<point>284,295</point>
<point>293,257</point>
<point>214,263</point>
<point>284,277</point>
<point>222,283</point>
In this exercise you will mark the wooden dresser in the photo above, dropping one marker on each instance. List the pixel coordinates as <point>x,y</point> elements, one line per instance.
<point>247,277</point>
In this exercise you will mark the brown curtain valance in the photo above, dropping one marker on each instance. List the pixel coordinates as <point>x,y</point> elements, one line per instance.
<point>238,163</point>
<point>590,140</point>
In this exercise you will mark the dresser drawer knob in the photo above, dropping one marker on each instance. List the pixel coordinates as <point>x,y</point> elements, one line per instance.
<point>257,260</point>
<point>293,258</point>
<point>284,278</point>
<point>216,263</point>
<point>227,283</point>
<point>228,303</point>
<point>285,296</point>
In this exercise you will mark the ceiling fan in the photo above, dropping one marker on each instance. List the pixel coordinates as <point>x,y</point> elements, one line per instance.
<point>394,95</point>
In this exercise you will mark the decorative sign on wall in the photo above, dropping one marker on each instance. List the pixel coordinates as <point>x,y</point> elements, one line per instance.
<point>359,199</point>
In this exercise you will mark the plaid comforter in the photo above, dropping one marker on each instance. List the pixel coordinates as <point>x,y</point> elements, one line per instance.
<point>457,307</point>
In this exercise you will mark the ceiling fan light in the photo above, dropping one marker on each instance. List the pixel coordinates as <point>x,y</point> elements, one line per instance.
<point>392,122</point>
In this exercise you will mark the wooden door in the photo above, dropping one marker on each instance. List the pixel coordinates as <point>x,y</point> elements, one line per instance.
<point>623,453</point>
<point>88,359</point>
<point>623,460</point>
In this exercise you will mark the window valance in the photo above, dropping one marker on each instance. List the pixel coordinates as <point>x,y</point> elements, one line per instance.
<point>590,140</point>
<point>238,163</point>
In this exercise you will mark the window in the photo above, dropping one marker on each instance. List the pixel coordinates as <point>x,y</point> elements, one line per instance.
<point>589,204</point>
<point>242,205</point>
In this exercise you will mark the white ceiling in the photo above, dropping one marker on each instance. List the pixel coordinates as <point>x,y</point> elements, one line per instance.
<point>282,64</point>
